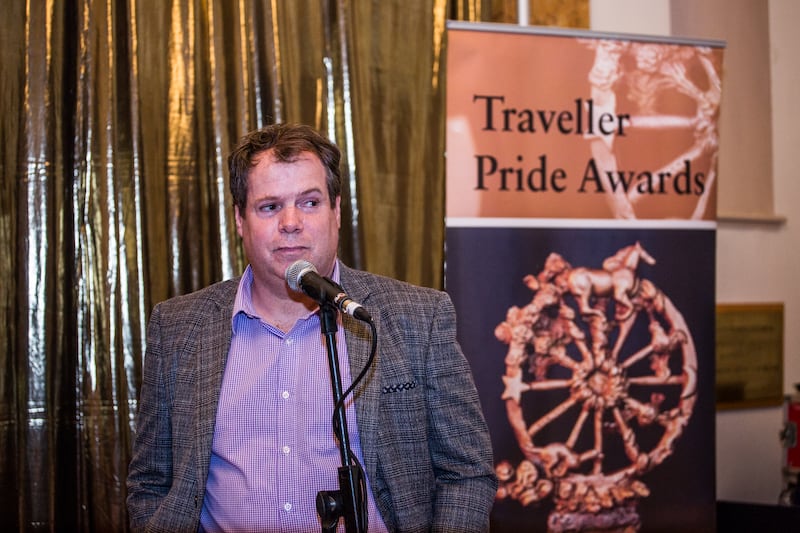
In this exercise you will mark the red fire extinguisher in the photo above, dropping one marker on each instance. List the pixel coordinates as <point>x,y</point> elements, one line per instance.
<point>791,445</point>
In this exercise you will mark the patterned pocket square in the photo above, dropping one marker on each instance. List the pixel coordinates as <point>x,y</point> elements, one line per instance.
<point>408,385</point>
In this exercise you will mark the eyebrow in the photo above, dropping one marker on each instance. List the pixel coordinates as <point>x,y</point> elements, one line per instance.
<point>307,192</point>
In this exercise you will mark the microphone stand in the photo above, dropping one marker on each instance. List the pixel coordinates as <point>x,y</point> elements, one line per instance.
<point>348,501</point>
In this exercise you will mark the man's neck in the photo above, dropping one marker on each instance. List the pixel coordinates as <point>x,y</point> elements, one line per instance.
<point>279,305</point>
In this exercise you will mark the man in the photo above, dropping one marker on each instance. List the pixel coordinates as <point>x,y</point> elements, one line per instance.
<point>234,423</point>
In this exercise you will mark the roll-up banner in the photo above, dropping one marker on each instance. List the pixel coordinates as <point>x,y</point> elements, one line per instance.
<point>580,213</point>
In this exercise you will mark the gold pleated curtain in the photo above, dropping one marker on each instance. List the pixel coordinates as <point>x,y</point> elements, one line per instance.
<point>117,117</point>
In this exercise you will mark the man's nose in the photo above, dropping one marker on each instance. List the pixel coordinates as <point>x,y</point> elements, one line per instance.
<point>291,219</point>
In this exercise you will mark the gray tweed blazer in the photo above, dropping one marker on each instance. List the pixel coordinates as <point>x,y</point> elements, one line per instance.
<point>427,451</point>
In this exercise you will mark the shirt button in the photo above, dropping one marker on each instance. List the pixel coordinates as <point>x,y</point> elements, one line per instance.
<point>286,450</point>
<point>285,395</point>
<point>289,341</point>
<point>287,506</point>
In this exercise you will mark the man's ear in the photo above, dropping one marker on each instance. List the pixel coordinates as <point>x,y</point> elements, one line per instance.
<point>238,216</point>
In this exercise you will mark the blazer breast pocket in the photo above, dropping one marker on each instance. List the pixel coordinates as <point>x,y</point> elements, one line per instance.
<point>403,399</point>
<point>399,387</point>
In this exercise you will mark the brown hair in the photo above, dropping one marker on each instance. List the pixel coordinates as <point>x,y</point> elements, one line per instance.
<point>286,142</point>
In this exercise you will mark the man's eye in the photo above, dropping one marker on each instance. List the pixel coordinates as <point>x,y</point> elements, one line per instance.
<point>268,207</point>
<point>311,203</point>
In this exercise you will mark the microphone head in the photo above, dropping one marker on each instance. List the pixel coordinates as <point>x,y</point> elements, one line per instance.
<point>296,271</point>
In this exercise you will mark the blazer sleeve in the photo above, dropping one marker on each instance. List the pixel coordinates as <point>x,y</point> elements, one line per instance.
<point>460,445</point>
<point>187,342</point>
<point>150,470</point>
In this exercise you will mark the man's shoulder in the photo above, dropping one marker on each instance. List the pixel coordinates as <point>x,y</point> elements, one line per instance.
<point>350,276</point>
<point>370,287</point>
<point>220,294</point>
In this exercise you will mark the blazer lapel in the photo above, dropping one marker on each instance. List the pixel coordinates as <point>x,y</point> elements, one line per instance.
<point>213,346</point>
<point>358,337</point>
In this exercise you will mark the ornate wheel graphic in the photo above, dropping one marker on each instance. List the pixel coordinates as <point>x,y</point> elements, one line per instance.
<point>659,68</point>
<point>617,362</point>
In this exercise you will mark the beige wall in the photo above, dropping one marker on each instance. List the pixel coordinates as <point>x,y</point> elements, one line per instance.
<point>761,263</point>
<point>756,261</point>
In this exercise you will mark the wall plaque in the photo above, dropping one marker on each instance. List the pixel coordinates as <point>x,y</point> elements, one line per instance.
<point>749,355</point>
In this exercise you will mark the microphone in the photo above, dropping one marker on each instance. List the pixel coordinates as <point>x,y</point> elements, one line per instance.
<point>303,277</point>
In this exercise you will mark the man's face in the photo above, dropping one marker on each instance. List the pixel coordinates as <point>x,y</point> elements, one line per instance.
<point>288,217</point>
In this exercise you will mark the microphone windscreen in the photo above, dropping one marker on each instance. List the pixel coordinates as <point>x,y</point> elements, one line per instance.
<point>296,271</point>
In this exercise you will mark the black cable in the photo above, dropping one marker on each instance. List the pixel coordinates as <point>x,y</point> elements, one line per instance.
<point>340,405</point>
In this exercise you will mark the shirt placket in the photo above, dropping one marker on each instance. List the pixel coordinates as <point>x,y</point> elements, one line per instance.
<point>286,454</point>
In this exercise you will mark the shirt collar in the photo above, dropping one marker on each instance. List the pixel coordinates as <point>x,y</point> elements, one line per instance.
<point>335,275</point>
<point>243,303</point>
